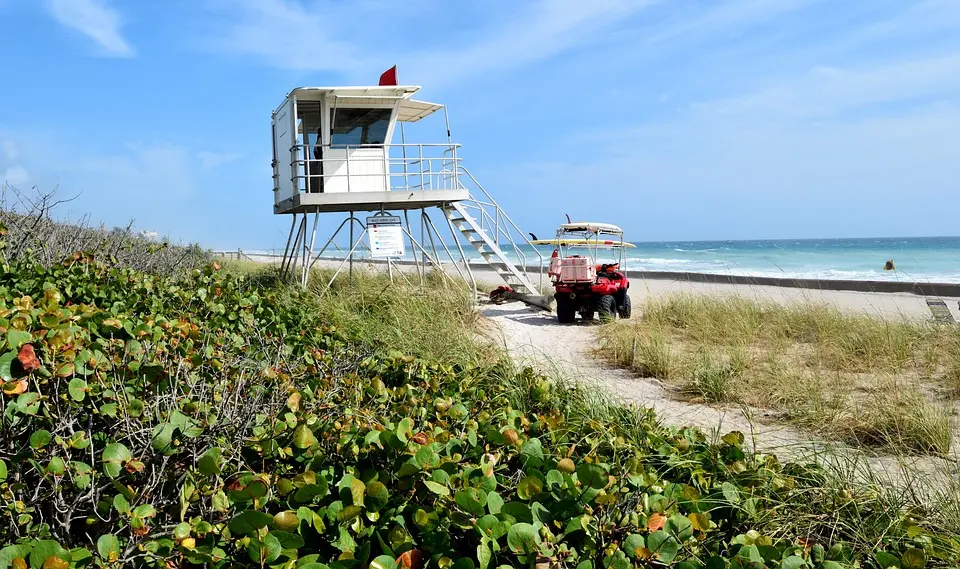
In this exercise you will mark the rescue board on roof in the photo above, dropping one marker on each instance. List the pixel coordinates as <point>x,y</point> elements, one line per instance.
<point>592,226</point>
<point>575,242</point>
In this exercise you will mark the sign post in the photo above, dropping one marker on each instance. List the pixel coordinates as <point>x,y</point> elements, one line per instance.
<point>385,234</point>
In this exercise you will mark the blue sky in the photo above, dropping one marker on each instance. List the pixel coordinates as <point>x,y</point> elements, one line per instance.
<point>679,120</point>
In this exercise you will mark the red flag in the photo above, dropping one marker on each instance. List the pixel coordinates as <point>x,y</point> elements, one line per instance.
<point>389,76</point>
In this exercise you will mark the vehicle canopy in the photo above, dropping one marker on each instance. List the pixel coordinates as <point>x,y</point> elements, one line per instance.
<point>593,236</point>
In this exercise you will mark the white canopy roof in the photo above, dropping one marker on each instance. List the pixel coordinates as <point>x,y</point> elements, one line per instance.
<point>412,110</point>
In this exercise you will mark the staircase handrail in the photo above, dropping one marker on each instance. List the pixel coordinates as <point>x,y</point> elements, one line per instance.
<point>498,227</point>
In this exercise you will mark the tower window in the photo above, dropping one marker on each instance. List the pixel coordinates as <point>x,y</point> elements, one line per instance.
<point>354,127</point>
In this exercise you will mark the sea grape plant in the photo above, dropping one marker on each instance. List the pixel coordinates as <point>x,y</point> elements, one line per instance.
<point>213,421</point>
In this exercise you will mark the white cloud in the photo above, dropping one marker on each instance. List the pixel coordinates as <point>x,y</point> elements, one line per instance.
<point>10,151</point>
<point>283,33</point>
<point>212,160</point>
<point>16,175</point>
<point>831,90</point>
<point>320,36</point>
<point>96,20</point>
<point>541,30</point>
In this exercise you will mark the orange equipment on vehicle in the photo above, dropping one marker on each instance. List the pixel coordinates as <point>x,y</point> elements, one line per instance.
<point>554,269</point>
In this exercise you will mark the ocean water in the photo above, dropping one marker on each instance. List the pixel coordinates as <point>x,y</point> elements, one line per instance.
<point>923,259</point>
<point>916,259</point>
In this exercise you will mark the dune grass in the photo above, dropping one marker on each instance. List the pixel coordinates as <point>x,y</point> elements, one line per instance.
<point>435,321</point>
<point>875,382</point>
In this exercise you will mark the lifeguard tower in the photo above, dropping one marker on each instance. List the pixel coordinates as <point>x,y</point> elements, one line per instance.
<point>333,152</point>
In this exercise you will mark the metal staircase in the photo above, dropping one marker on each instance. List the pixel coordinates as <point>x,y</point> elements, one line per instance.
<point>458,215</point>
<point>492,233</point>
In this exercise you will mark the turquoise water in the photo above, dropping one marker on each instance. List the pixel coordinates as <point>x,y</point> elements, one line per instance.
<point>925,259</point>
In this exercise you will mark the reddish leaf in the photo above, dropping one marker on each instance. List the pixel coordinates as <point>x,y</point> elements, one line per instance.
<point>656,522</point>
<point>28,358</point>
<point>420,438</point>
<point>412,559</point>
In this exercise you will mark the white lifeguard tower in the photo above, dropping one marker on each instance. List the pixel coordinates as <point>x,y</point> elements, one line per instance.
<point>333,152</point>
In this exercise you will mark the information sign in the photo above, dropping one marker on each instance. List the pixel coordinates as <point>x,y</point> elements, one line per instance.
<point>386,236</point>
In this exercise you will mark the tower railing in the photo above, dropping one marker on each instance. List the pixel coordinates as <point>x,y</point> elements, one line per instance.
<point>409,167</point>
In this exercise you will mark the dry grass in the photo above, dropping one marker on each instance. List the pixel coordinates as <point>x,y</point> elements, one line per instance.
<point>882,383</point>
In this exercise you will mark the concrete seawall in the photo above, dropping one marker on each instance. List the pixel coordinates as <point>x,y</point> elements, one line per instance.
<point>919,288</point>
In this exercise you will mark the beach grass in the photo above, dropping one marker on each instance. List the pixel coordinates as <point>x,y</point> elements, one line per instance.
<point>886,383</point>
<point>434,320</point>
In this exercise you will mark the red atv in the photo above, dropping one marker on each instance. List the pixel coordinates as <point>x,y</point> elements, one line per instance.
<point>580,285</point>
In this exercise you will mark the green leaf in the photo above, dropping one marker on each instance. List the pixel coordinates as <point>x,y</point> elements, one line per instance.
<point>108,546</point>
<point>438,489</point>
<point>664,546</point>
<point>484,555</point>
<point>793,562</point>
<point>554,478</point>
<point>145,511</point>
<point>886,560</point>
<point>57,466</point>
<point>405,430</point>
<point>303,437</point>
<point>592,476</point>
<point>209,463</point>
<point>494,502</point>
<point>266,551</point>
<point>532,450</point>
<point>523,538</point>
<point>11,552</point>
<point>288,540</point>
<point>731,493</point>
<point>6,360</point>
<point>77,389</point>
<point>633,544</point>
<point>40,439</point>
<point>529,487</point>
<point>913,559</point>
<point>681,527</point>
<point>45,549</point>
<point>162,441</point>
<point>3,471</point>
<point>357,491</point>
<point>29,403</point>
<point>121,504</point>
<point>249,521</point>
<point>17,338</point>
<point>383,562</point>
<point>377,496</point>
<point>492,527</point>
<point>114,458</point>
<point>471,500</point>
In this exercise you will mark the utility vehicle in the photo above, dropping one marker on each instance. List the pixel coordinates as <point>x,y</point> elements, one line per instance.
<point>581,284</point>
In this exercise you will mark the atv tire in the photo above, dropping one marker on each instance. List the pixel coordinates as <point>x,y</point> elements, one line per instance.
<point>566,310</point>
<point>607,308</point>
<point>624,309</point>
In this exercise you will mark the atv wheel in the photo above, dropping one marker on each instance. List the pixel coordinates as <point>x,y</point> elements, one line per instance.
<point>566,309</point>
<point>625,307</point>
<point>607,308</point>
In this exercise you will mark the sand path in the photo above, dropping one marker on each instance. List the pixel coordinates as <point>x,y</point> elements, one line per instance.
<point>533,337</point>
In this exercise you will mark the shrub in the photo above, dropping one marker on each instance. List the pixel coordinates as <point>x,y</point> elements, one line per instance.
<point>158,422</point>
